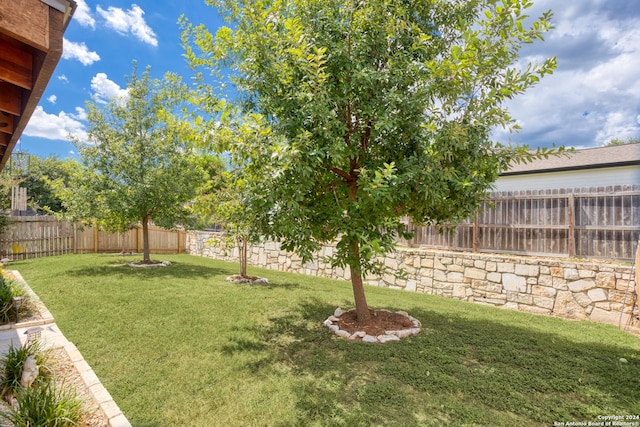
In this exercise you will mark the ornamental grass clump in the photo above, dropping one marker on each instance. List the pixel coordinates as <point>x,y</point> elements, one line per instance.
<point>45,405</point>
<point>8,290</point>
<point>12,363</point>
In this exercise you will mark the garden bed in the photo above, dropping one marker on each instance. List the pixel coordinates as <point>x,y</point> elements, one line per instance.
<point>65,372</point>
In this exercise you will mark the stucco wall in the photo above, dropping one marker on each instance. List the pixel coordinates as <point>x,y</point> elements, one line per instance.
<point>596,291</point>
<point>602,177</point>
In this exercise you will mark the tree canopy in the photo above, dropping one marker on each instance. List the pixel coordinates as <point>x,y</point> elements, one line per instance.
<point>140,165</point>
<point>368,112</point>
<point>620,141</point>
<point>39,180</point>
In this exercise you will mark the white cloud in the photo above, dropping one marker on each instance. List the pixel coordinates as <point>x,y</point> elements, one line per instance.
<point>105,89</point>
<point>81,114</point>
<point>63,78</point>
<point>79,51</point>
<point>594,95</point>
<point>83,15</point>
<point>52,99</point>
<point>617,125</point>
<point>129,22</point>
<point>51,126</point>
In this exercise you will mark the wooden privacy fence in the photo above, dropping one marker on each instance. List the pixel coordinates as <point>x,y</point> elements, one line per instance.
<point>601,222</point>
<point>33,237</point>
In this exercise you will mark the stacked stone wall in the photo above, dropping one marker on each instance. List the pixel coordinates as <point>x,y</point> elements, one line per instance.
<point>573,289</point>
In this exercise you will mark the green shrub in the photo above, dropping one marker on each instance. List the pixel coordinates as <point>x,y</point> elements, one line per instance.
<point>11,365</point>
<point>9,289</point>
<point>45,405</point>
<point>6,300</point>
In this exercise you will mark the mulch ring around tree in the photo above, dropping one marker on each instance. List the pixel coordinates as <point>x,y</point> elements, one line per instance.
<point>239,278</point>
<point>384,326</point>
<point>148,264</point>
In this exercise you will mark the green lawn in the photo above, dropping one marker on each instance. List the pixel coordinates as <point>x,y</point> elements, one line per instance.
<point>180,346</point>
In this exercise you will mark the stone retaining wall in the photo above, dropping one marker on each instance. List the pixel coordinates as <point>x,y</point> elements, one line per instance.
<point>598,291</point>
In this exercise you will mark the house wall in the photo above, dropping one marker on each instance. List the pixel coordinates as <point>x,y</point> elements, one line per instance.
<point>570,179</point>
<point>601,292</point>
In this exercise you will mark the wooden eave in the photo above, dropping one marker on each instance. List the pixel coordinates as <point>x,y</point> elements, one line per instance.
<point>31,33</point>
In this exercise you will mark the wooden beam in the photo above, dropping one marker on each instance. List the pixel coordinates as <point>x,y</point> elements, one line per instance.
<point>16,65</point>
<point>42,60</point>
<point>15,14</point>
<point>4,141</point>
<point>44,65</point>
<point>10,99</point>
<point>6,123</point>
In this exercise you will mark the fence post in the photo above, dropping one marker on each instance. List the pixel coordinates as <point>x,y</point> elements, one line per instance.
<point>95,238</point>
<point>637,268</point>
<point>476,233</point>
<point>572,224</point>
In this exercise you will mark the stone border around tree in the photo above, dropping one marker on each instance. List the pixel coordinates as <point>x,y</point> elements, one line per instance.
<point>155,264</point>
<point>388,336</point>
<point>250,280</point>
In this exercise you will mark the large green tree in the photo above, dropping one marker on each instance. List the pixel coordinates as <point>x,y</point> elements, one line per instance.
<point>140,165</point>
<point>39,177</point>
<point>7,181</point>
<point>373,110</point>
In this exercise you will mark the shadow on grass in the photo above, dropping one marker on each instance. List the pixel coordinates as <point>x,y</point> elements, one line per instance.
<point>177,269</point>
<point>458,371</point>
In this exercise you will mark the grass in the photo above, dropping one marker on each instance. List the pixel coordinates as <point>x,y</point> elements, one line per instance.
<point>180,346</point>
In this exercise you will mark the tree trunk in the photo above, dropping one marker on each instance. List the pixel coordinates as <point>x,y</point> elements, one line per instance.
<point>123,243</point>
<point>242,254</point>
<point>145,240</point>
<point>362,309</point>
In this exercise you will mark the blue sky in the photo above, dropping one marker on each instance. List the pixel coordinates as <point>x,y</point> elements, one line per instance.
<point>593,96</point>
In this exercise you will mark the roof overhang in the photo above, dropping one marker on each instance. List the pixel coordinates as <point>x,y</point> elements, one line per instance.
<point>574,168</point>
<point>31,33</point>
<point>589,158</point>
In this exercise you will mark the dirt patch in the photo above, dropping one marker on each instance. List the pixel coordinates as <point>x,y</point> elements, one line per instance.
<point>380,322</point>
<point>65,371</point>
<point>383,326</point>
